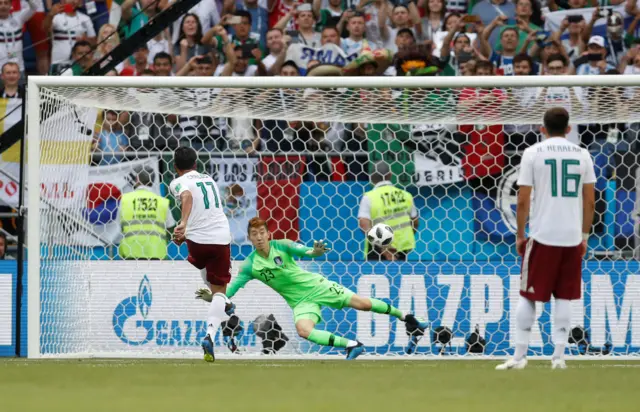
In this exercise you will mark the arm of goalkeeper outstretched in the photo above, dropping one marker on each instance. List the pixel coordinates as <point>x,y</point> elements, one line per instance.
<point>299,250</point>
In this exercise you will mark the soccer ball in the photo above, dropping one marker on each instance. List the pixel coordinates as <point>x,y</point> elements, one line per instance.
<point>380,235</point>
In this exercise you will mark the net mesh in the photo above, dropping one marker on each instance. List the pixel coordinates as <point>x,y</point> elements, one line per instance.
<point>302,158</point>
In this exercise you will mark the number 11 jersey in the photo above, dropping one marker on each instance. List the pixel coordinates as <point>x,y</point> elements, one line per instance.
<point>207,225</point>
<point>557,170</point>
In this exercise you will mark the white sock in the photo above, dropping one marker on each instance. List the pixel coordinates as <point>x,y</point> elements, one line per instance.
<point>352,343</point>
<point>525,316</point>
<point>216,314</point>
<point>561,325</point>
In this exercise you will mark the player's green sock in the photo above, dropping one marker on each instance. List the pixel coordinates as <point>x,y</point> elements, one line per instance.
<point>379,306</point>
<point>322,337</point>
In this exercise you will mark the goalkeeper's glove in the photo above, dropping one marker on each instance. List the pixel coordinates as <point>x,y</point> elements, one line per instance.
<point>206,295</point>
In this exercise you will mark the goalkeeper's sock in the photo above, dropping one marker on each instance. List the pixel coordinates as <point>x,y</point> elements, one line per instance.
<point>525,316</point>
<point>216,313</point>
<point>322,337</point>
<point>379,306</point>
<point>561,325</point>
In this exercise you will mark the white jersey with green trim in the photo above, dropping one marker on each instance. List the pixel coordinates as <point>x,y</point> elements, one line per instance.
<point>207,223</point>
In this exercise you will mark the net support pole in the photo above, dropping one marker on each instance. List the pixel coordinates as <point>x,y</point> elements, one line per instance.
<point>33,219</point>
<point>20,228</point>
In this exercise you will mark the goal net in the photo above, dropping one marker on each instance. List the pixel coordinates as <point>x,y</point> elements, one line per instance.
<point>299,153</point>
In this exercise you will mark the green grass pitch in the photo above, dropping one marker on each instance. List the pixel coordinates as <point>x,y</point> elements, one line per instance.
<point>260,386</point>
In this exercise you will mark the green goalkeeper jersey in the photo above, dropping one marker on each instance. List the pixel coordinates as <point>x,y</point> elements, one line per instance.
<point>279,271</point>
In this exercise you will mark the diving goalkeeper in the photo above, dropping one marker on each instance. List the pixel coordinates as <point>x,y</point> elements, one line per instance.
<point>273,264</point>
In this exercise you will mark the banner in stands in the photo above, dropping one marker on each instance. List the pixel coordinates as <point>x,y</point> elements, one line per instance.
<point>237,181</point>
<point>105,185</point>
<point>327,54</point>
<point>432,170</point>
<point>553,20</point>
<point>147,309</point>
<point>65,151</point>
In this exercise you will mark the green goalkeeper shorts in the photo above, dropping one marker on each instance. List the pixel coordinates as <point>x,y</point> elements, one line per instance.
<point>330,294</point>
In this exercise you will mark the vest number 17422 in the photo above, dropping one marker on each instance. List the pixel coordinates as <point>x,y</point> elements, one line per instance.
<point>205,193</point>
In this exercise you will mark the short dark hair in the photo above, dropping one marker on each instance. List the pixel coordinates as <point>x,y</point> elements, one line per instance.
<point>556,121</point>
<point>523,57</point>
<point>80,43</point>
<point>484,64</point>
<point>244,13</point>
<point>558,57</point>
<point>406,31</point>
<point>162,55</point>
<point>509,29</point>
<point>292,64</point>
<point>184,158</point>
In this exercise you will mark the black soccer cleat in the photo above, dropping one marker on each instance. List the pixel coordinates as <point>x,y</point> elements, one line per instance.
<point>415,326</point>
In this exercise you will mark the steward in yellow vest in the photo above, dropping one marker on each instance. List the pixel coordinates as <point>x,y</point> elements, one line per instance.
<point>144,218</point>
<point>392,206</point>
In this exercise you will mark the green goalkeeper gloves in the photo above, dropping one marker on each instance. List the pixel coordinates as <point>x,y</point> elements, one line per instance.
<point>319,248</point>
<point>204,294</point>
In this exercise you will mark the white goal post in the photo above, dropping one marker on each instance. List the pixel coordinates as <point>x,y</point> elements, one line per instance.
<point>85,301</point>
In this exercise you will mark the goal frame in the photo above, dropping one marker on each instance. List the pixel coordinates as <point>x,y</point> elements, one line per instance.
<point>35,83</point>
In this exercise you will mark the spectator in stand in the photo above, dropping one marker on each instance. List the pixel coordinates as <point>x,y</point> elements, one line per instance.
<point>140,58</point>
<point>67,25</point>
<point>305,21</point>
<point>356,28</point>
<point>433,20</point>
<point>275,45</point>
<point>574,45</point>
<point>331,35</point>
<point>82,58</point>
<point>278,9</point>
<point>39,37</point>
<point>329,17</point>
<point>259,18</point>
<point>108,39</point>
<point>631,63</point>
<point>162,64</point>
<point>137,13</point>
<point>190,41</point>
<point>631,36</point>
<point>112,139</point>
<point>208,12</point>
<point>11,32</point>
<point>594,62</point>
<point>400,20</point>
<point>462,51</point>
<point>159,44</point>
<point>489,10</point>
<point>508,40</point>
<point>524,12</point>
<point>242,34</point>
<point>369,10</point>
<point>10,77</point>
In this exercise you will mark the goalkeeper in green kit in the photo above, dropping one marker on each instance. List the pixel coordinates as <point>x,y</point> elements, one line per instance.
<point>273,264</point>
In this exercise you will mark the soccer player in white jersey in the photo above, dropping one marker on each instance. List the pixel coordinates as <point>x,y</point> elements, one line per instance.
<point>557,193</point>
<point>205,228</point>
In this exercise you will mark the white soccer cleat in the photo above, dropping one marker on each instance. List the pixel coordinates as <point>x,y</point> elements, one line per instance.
<point>558,364</point>
<point>512,364</point>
